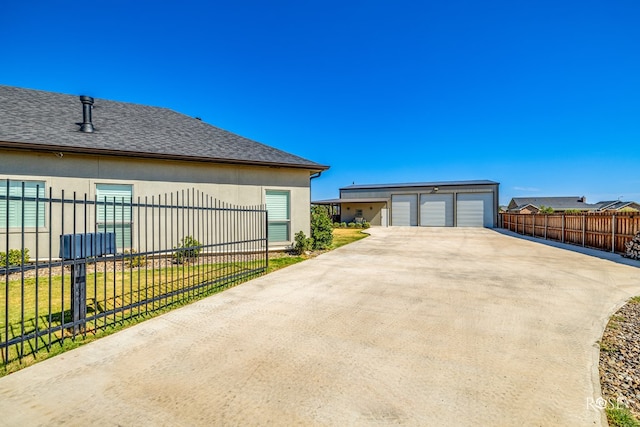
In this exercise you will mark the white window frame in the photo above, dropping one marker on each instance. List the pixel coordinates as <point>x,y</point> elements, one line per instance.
<point>34,220</point>
<point>277,215</point>
<point>115,223</point>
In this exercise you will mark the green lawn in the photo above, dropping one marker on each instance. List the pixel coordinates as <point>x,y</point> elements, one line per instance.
<point>344,236</point>
<point>108,292</point>
<point>46,302</point>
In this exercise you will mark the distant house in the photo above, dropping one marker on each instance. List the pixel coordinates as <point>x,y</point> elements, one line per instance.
<point>617,206</point>
<point>532,205</point>
<point>108,148</point>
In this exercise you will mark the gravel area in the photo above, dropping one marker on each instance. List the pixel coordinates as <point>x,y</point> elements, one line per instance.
<point>619,356</point>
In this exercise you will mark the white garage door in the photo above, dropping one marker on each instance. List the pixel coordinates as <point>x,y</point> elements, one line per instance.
<point>436,210</point>
<point>475,210</point>
<point>404,209</point>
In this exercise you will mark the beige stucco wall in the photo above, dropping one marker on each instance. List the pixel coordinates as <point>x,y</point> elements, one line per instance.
<point>230,184</point>
<point>371,212</point>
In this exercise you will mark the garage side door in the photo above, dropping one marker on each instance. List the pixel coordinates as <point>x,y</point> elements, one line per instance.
<point>436,210</point>
<point>475,210</point>
<point>404,209</point>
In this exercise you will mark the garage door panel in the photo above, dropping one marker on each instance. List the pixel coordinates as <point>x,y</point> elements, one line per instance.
<point>436,210</point>
<point>475,210</point>
<point>404,210</point>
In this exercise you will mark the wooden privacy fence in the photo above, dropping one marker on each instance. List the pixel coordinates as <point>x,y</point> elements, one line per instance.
<point>604,231</point>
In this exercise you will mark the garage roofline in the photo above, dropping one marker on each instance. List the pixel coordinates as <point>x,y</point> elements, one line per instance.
<point>421,184</point>
<point>352,200</point>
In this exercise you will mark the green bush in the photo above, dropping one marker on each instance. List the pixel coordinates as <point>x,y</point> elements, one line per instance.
<point>366,224</point>
<point>545,209</point>
<point>336,225</point>
<point>352,225</point>
<point>321,228</point>
<point>15,257</point>
<point>187,250</point>
<point>358,225</point>
<point>302,243</point>
<point>134,261</point>
<point>343,225</point>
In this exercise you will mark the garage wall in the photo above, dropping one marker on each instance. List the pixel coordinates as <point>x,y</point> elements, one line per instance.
<point>441,205</point>
<point>371,212</point>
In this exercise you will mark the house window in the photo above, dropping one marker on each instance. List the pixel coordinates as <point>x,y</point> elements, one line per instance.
<point>114,212</point>
<point>27,205</point>
<point>278,211</point>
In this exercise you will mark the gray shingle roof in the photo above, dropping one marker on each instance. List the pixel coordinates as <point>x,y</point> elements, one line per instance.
<point>37,119</point>
<point>557,203</point>
<point>418,184</point>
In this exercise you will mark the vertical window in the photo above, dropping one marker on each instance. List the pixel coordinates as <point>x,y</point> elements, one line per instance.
<point>114,212</point>
<point>21,203</point>
<point>278,211</point>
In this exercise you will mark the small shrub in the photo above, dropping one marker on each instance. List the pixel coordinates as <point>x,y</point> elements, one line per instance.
<point>302,243</point>
<point>358,225</point>
<point>134,261</point>
<point>15,257</point>
<point>352,225</point>
<point>343,225</point>
<point>366,224</point>
<point>321,228</point>
<point>336,225</point>
<point>187,250</point>
<point>620,416</point>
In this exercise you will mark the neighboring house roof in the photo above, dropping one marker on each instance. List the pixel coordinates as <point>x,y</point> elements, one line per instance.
<point>557,203</point>
<point>34,119</point>
<point>528,206</point>
<point>517,204</point>
<point>419,184</point>
<point>617,205</point>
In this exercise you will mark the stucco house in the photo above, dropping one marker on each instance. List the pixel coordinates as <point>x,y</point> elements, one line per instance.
<point>427,204</point>
<point>103,148</point>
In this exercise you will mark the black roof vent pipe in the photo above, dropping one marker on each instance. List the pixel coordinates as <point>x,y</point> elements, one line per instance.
<point>87,105</point>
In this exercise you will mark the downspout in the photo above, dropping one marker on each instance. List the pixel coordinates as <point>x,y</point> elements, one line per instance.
<point>312,176</point>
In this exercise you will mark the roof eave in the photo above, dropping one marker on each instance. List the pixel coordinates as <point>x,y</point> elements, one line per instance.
<point>157,156</point>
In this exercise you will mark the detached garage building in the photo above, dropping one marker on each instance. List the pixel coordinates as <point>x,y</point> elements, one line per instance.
<point>427,204</point>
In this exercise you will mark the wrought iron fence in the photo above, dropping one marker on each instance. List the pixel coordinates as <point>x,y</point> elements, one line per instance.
<point>71,266</point>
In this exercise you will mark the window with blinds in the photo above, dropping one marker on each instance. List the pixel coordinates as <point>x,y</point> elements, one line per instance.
<point>27,205</point>
<point>114,212</point>
<point>278,211</point>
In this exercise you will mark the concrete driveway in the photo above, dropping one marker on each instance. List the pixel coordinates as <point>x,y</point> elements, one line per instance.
<point>413,326</point>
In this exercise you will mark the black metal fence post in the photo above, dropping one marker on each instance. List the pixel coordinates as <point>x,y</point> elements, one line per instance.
<point>79,295</point>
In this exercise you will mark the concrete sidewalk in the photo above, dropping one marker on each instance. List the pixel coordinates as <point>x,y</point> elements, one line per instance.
<point>413,326</point>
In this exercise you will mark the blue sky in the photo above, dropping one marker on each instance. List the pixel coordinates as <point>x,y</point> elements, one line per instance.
<point>541,96</point>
